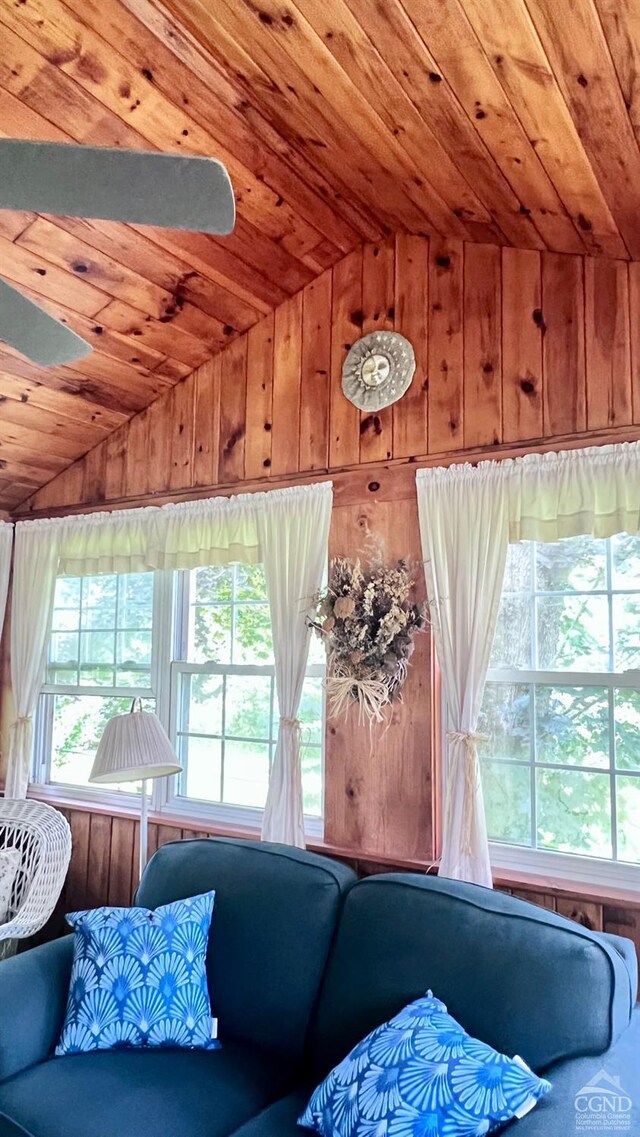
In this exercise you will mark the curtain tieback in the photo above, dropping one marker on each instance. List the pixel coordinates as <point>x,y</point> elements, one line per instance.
<point>470,740</point>
<point>293,724</point>
<point>21,720</point>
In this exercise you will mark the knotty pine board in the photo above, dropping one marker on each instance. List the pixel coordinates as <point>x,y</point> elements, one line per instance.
<point>517,349</point>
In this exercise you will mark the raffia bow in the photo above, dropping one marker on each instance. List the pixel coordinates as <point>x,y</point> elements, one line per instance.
<point>470,740</point>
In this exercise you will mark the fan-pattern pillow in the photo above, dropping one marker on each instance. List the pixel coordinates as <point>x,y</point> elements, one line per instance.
<point>421,1075</point>
<point>139,978</point>
<point>9,867</point>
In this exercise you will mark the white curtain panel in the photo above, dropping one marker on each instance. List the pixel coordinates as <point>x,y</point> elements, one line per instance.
<point>464,519</point>
<point>293,527</point>
<point>6,546</point>
<point>34,579</point>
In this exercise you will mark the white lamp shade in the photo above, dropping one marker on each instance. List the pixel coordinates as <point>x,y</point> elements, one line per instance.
<point>133,747</point>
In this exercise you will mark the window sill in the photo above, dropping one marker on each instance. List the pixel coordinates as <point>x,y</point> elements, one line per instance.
<point>198,821</point>
<point>503,876</point>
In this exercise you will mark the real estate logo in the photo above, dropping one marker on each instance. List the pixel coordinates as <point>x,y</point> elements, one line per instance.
<point>603,1106</point>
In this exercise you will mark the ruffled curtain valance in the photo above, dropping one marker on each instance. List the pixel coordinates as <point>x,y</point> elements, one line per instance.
<point>468,517</point>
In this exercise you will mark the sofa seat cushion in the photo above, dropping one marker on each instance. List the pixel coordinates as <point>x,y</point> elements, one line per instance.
<point>160,1093</point>
<point>279,1119</point>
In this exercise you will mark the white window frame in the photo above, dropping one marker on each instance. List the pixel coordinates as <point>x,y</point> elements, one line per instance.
<point>169,646</point>
<point>548,863</point>
<point>194,809</point>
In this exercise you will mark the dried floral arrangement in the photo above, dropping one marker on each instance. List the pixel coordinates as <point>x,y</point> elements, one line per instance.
<point>368,620</point>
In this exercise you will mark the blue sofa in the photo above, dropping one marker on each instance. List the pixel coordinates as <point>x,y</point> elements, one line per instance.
<point>304,960</point>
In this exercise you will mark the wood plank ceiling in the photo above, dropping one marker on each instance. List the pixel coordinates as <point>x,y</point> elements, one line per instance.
<point>509,122</point>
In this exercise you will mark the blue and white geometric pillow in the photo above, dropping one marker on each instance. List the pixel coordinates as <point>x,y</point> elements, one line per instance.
<point>139,978</point>
<point>421,1075</point>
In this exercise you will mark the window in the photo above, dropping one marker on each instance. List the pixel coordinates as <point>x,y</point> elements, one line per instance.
<point>561,767</point>
<point>196,645</point>
<point>100,657</point>
<point>225,707</point>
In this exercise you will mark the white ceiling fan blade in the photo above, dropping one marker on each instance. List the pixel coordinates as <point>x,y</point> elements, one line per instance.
<point>175,191</point>
<point>34,333</point>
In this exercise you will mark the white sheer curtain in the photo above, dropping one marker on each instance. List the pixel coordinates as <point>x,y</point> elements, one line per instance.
<point>6,545</point>
<point>293,527</point>
<point>464,524</point>
<point>34,580</point>
<point>468,516</point>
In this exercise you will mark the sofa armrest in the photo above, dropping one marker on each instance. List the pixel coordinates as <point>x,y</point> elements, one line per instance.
<point>33,998</point>
<point>568,1110</point>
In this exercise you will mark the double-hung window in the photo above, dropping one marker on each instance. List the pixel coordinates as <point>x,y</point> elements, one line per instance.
<point>197,648</point>
<point>561,711</point>
<point>101,657</point>
<point>224,704</point>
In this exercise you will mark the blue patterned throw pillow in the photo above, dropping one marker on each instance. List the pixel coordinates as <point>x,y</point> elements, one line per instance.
<point>421,1075</point>
<point>139,978</point>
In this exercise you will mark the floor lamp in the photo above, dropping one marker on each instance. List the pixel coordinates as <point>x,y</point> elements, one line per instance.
<point>133,748</point>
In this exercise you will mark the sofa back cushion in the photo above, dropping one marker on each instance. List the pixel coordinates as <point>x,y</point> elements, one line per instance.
<point>273,921</point>
<point>520,978</point>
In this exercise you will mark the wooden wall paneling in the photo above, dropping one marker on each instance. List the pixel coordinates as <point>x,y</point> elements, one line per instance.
<point>159,429</point>
<point>94,468</point>
<point>315,378</point>
<point>583,912</point>
<point>543,899</point>
<point>378,308</point>
<point>137,471</point>
<point>287,377</point>
<point>233,394</point>
<point>563,356</point>
<point>182,403</point>
<point>259,413</point>
<point>446,346</point>
<point>522,331</point>
<point>121,863</point>
<point>346,328</point>
<point>206,422</point>
<point>378,792</point>
<point>114,475</point>
<point>99,859</point>
<point>608,355</point>
<point>621,921</point>
<point>410,415</point>
<point>152,840</point>
<point>634,329</point>
<point>76,882</point>
<point>167,833</point>
<point>482,346</point>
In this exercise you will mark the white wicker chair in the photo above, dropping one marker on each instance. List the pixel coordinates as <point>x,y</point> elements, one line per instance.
<point>43,838</point>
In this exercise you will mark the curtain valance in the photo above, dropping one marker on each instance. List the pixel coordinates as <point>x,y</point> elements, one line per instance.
<point>211,531</point>
<point>594,490</point>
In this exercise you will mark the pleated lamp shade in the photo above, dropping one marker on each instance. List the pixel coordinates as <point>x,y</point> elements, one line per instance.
<point>134,747</point>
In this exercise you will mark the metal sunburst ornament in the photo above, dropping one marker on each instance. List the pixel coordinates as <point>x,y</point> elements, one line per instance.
<point>378,370</point>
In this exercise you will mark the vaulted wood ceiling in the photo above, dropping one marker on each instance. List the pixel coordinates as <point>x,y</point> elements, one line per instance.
<point>499,121</point>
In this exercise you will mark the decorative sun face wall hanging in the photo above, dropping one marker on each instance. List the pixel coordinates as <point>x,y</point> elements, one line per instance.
<point>378,370</point>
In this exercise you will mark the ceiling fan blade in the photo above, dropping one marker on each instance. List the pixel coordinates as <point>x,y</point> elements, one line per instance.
<point>33,332</point>
<point>176,191</point>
